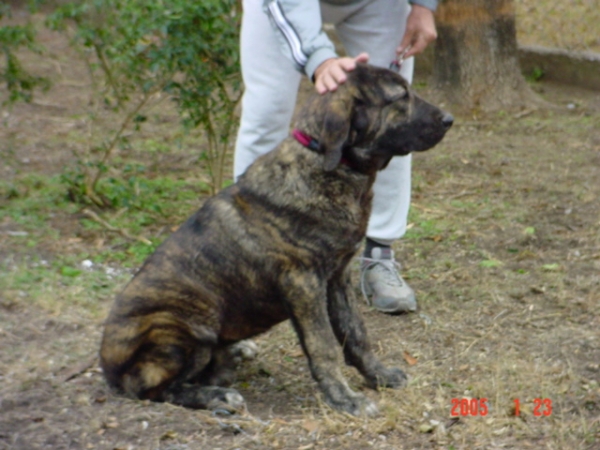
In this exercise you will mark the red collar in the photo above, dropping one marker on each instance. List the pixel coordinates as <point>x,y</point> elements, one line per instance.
<point>306,140</point>
<point>311,143</point>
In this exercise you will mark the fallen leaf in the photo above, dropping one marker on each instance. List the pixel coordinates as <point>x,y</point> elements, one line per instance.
<point>453,421</point>
<point>306,447</point>
<point>410,360</point>
<point>310,425</point>
<point>537,290</point>
<point>168,435</point>
<point>426,428</point>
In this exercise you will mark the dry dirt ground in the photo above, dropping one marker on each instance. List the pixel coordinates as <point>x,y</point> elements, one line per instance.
<point>503,251</point>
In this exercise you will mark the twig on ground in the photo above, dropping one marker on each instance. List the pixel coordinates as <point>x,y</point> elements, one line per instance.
<point>96,218</point>
<point>429,210</point>
<point>75,371</point>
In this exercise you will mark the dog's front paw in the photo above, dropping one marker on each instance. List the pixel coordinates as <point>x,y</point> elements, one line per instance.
<point>224,398</point>
<point>352,403</point>
<point>391,377</point>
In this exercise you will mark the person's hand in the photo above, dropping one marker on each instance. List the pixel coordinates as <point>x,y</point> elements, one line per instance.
<point>332,72</point>
<point>420,32</point>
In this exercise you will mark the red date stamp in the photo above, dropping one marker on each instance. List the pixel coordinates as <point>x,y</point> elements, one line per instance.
<point>480,407</point>
<point>541,407</point>
<point>469,407</point>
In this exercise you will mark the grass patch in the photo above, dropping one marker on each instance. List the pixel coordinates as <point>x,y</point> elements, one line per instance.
<point>63,282</point>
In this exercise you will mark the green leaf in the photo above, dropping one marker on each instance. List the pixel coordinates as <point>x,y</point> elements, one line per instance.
<point>69,271</point>
<point>554,267</point>
<point>490,263</point>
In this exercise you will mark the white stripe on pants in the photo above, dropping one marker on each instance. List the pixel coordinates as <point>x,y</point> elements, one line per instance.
<point>271,85</point>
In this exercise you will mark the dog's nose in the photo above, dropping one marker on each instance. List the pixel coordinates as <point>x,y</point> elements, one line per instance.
<point>447,120</point>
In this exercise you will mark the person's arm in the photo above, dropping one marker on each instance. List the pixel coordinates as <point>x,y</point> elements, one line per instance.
<point>429,4</point>
<point>300,29</point>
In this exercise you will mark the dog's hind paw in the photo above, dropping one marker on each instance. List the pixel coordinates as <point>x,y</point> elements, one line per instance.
<point>243,351</point>
<point>362,406</point>
<point>227,399</point>
<point>355,404</point>
<point>369,409</point>
<point>206,397</point>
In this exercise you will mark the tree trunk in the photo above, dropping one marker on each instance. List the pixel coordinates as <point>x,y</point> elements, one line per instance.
<point>476,61</point>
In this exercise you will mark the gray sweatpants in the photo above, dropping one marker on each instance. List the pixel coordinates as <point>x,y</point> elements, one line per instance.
<point>271,85</point>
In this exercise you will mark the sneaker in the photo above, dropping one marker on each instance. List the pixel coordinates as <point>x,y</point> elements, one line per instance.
<point>380,279</point>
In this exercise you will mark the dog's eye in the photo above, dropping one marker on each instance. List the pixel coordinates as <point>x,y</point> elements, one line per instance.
<point>400,97</point>
<point>405,95</point>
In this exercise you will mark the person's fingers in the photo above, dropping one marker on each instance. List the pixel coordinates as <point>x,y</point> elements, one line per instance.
<point>332,76</point>
<point>325,83</point>
<point>321,75</point>
<point>349,64</point>
<point>332,72</point>
<point>362,58</point>
<point>405,44</point>
<point>339,71</point>
<point>417,46</point>
<point>331,83</point>
<point>320,86</point>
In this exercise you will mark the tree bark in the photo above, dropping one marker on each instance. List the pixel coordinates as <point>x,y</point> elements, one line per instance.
<point>476,62</point>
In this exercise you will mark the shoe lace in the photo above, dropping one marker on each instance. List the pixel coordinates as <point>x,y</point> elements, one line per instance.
<point>388,268</point>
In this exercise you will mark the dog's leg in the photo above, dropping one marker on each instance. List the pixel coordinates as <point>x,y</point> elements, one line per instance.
<point>350,331</point>
<point>305,296</point>
<point>225,360</point>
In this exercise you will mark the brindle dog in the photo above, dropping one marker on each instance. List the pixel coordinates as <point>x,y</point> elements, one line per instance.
<point>274,246</point>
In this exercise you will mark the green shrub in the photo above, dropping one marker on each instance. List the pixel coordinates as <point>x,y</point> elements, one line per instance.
<point>20,84</point>
<point>138,48</point>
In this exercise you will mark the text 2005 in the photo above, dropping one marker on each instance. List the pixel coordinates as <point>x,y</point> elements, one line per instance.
<point>469,407</point>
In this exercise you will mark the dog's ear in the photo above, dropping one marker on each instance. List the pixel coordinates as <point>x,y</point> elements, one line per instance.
<point>336,125</point>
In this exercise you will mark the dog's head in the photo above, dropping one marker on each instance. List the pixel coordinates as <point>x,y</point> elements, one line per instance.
<point>372,117</point>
